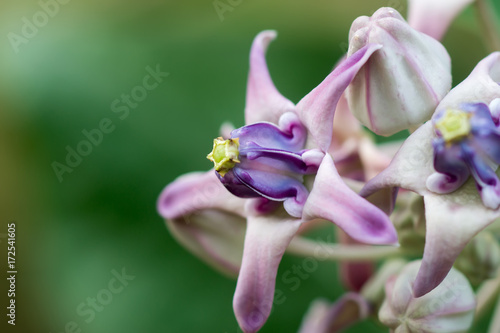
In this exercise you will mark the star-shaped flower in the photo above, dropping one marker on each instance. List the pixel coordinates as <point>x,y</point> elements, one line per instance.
<point>281,175</point>
<point>453,162</point>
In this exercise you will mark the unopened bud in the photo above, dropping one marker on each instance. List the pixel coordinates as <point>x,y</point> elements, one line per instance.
<point>401,84</point>
<point>480,259</point>
<point>448,308</point>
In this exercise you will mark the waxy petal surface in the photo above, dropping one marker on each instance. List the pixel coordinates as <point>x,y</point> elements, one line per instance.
<point>196,191</point>
<point>265,242</point>
<point>331,199</point>
<point>263,100</point>
<point>317,108</point>
<point>452,220</point>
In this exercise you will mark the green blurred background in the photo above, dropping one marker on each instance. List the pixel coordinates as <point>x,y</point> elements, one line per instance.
<point>72,234</point>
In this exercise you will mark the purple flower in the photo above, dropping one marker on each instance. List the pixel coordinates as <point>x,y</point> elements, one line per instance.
<point>437,160</point>
<point>280,156</point>
<point>467,144</point>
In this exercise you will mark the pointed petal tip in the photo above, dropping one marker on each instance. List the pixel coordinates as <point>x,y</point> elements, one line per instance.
<point>332,200</point>
<point>250,319</point>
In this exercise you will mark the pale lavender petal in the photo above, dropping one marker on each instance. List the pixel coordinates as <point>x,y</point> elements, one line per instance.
<point>452,220</point>
<point>433,17</point>
<point>317,108</point>
<point>481,86</point>
<point>345,125</point>
<point>195,191</point>
<point>266,239</point>
<point>410,167</point>
<point>331,199</point>
<point>263,101</point>
<point>204,217</point>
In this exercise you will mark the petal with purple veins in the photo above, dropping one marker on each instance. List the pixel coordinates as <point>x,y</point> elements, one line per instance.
<point>277,187</point>
<point>289,135</point>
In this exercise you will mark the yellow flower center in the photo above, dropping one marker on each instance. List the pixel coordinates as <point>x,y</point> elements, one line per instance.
<point>224,154</point>
<point>454,125</point>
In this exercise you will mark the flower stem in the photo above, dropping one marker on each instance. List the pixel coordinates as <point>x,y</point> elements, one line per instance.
<point>495,321</point>
<point>486,294</point>
<point>338,252</point>
<point>489,24</point>
<point>374,289</point>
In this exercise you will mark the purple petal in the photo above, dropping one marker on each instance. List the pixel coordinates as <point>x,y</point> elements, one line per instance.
<point>331,199</point>
<point>316,110</point>
<point>452,220</point>
<point>452,171</point>
<point>265,242</point>
<point>290,135</point>
<point>276,159</point>
<point>195,191</point>
<point>486,180</point>
<point>277,187</point>
<point>263,101</point>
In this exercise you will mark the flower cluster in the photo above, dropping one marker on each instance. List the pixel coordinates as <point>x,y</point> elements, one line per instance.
<point>294,166</point>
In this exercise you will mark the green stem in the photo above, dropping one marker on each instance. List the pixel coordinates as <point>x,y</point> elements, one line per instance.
<point>338,252</point>
<point>495,321</point>
<point>489,24</point>
<point>374,289</point>
<point>485,296</point>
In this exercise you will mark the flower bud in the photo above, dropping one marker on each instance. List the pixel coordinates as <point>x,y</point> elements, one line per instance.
<point>448,308</point>
<point>323,317</point>
<point>402,83</point>
<point>409,220</point>
<point>480,259</point>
